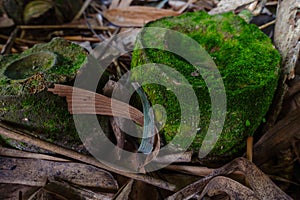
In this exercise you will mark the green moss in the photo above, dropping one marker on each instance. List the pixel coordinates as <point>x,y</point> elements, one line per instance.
<point>247,61</point>
<point>26,102</point>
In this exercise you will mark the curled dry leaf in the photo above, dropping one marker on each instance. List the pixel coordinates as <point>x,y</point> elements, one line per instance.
<point>136,16</point>
<point>261,185</point>
<point>231,187</point>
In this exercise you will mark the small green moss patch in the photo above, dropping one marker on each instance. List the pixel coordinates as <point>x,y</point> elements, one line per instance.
<point>24,99</point>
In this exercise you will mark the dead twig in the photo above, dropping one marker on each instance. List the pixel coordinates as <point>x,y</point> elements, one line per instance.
<point>9,43</point>
<point>249,152</point>
<point>267,24</point>
<point>19,40</point>
<point>81,38</point>
<point>67,26</point>
<point>23,154</point>
<point>84,6</point>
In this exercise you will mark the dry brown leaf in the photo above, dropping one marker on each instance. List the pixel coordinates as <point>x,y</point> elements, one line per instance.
<point>136,16</point>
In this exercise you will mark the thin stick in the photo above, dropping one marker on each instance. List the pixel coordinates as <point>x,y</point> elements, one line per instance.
<point>19,40</point>
<point>195,170</point>
<point>192,170</point>
<point>24,154</point>
<point>8,46</point>
<point>20,136</point>
<point>272,3</point>
<point>186,6</point>
<point>81,38</point>
<point>67,26</point>
<point>267,24</point>
<point>85,5</point>
<point>249,152</point>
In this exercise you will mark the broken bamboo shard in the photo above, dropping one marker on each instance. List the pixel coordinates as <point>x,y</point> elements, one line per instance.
<point>82,101</point>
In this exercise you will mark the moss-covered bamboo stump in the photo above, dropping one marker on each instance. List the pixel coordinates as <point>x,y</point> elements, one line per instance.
<point>24,79</point>
<point>248,64</point>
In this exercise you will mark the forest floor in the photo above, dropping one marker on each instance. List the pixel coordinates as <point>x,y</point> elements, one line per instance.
<point>269,169</point>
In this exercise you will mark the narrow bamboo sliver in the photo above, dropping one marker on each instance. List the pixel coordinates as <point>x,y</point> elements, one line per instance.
<point>82,101</point>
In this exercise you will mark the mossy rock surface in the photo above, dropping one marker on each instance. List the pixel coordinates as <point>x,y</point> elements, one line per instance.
<point>24,80</point>
<point>248,64</point>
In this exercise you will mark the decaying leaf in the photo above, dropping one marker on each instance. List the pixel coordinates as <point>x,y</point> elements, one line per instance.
<point>26,138</point>
<point>232,188</point>
<point>143,191</point>
<point>278,138</point>
<point>136,16</point>
<point>261,185</point>
<point>68,191</point>
<point>35,172</point>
